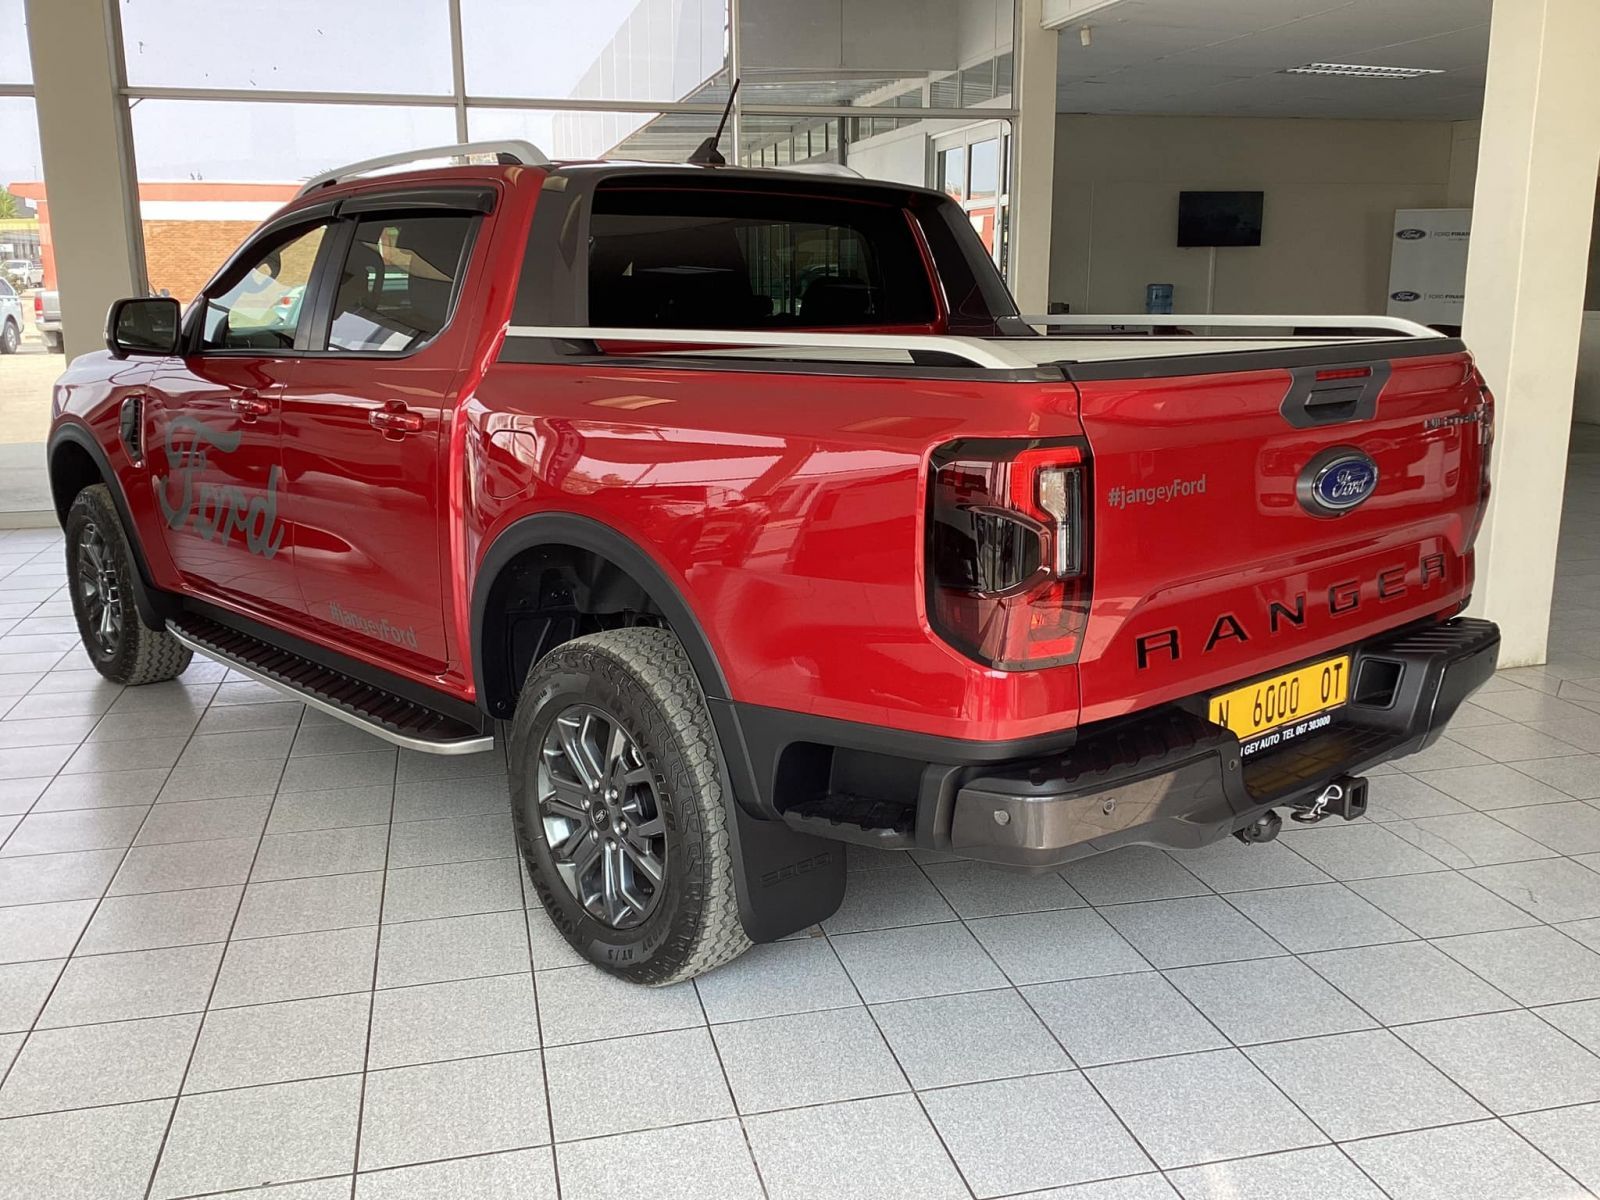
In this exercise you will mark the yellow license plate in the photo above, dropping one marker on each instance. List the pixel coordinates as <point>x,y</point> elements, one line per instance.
<point>1285,701</point>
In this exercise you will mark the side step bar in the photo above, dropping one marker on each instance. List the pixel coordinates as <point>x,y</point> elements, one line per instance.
<point>380,713</point>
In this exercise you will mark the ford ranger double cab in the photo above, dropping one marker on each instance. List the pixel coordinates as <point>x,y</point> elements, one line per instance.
<point>746,516</point>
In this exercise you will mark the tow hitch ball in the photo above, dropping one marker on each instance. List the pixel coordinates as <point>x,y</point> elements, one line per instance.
<point>1345,797</point>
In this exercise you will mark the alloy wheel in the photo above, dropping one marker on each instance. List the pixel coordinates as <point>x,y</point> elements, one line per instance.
<point>99,590</point>
<point>602,816</point>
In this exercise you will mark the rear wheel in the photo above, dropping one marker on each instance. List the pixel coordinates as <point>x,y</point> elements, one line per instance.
<point>10,338</point>
<point>619,807</point>
<point>101,580</point>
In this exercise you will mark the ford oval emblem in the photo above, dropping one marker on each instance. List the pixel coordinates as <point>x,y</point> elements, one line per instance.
<point>1337,480</point>
<point>1405,296</point>
<point>1411,235</point>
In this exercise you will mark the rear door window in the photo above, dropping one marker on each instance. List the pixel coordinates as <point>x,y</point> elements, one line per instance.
<point>398,282</point>
<point>700,259</point>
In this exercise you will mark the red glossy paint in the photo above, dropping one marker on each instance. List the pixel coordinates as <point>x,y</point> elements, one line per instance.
<point>789,509</point>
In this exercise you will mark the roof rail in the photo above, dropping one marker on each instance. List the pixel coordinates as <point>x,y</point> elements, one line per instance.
<point>509,152</point>
<point>1236,321</point>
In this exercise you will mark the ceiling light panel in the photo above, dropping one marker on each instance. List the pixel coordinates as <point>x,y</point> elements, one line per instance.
<point>1360,71</point>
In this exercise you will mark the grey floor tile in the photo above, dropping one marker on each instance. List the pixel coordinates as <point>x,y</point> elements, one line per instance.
<point>585,1004</point>
<point>1199,1108</point>
<point>23,989</point>
<point>1552,889</point>
<point>215,1141</point>
<point>977,889</point>
<point>328,771</point>
<point>453,948</point>
<point>774,1062</point>
<point>978,1122</point>
<point>1484,1161</point>
<point>1400,797</point>
<point>1579,1021</point>
<point>142,983</point>
<point>278,1043</point>
<point>154,920</point>
<point>1322,1172</point>
<point>456,890</point>
<point>1471,840</point>
<point>1131,874</point>
<point>1356,1085</point>
<point>776,979</point>
<point>451,840</point>
<point>1512,1062</point>
<point>89,1154</point>
<point>110,790</point>
<point>1264,999</point>
<point>1361,851</point>
<point>450,1109</point>
<point>42,930</point>
<point>218,781</point>
<point>427,799</point>
<point>336,737</point>
<point>922,960</point>
<point>1570,828</point>
<point>1570,1137</point>
<point>229,716</point>
<point>1116,1018</point>
<point>17,796</point>
<point>321,852</point>
<point>1187,933</point>
<point>157,723</point>
<point>1518,743</point>
<point>710,1161</point>
<point>549,948</point>
<point>118,1063</point>
<point>249,692</point>
<point>310,905</point>
<point>204,820</point>
<point>933,1040</point>
<point>300,812</point>
<point>46,731</point>
<point>124,756</point>
<point>1231,866</point>
<point>515,1175</point>
<point>46,878</point>
<point>1408,981</point>
<point>333,1187</point>
<point>882,1149</point>
<point>296,966</point>
<point>81,829</point>
<point>414,765</point>
<point>19,762</point>
<point>1322,917</point>
<point>465,1018</point>
<point>1441,904</point>
<point>1071,944</point>
<point>264,747</point>
<point>1577,776</point>
<point>1587,932</point>
<point>888,899</point>
<point>184,865</point>
<point>1532,966</point>
<point>629,1084</point>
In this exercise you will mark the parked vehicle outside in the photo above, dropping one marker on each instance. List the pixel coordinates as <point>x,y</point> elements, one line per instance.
<point>47,318</point>
<point>744,509</point>
<point>23,273</point>
<point>10,319</point>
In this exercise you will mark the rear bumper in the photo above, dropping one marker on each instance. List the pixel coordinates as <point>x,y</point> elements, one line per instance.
<point>1165,777</point>
<point>1174,779</point>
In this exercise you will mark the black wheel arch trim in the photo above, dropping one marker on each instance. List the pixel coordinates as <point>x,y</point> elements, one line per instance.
<point>154,606</point>
<point>596,537</point>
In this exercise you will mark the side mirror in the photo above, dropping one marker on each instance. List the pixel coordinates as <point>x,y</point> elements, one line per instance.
<point>143,325</point>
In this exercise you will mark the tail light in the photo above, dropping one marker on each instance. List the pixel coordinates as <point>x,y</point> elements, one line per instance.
<point>1008,551</point>
<point>1485,444</point>
<point>38,304</point>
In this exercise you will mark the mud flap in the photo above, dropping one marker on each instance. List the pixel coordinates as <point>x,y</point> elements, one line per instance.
<point>786,880</point>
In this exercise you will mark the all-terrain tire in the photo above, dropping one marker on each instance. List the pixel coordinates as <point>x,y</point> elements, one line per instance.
<point>139,654</point>
<point>642,677</point>
<point>10,337</point>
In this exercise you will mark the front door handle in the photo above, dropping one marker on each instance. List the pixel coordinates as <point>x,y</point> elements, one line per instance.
<point>251,404</point>
<point>395,419</point>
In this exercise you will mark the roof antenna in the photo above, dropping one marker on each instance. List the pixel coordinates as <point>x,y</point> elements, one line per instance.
<point>706,153</point>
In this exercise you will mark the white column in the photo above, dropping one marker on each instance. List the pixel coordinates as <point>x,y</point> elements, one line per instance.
<point>88,162</point>
<point>1033,158</point>
<point>1532,207</point>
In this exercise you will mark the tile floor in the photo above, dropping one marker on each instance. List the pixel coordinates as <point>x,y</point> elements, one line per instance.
<point>243,945</point>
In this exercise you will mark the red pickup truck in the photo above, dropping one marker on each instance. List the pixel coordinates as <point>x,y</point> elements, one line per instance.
<point>748,513</point>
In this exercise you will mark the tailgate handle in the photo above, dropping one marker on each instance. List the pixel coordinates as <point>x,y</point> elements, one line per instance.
<point>1334,394</point>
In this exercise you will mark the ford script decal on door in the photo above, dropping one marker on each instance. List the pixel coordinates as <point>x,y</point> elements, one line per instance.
<point>215,510</point>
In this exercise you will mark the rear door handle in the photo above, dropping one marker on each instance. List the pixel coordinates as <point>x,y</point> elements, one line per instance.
<point>251,404</point>
<point>395,419</point>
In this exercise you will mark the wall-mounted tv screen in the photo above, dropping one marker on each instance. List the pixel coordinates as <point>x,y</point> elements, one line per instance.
<point>1219,218</point>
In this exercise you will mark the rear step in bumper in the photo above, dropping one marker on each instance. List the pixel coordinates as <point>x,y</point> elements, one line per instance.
<point>380,713</point>
<point>1174,779</point>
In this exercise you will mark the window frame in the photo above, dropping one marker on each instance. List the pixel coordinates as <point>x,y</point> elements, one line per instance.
<point>275,234</point>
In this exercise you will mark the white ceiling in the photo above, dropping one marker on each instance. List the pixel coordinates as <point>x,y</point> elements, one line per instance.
<point>1227,57</point>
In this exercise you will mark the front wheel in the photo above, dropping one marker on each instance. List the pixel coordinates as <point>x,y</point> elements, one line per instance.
<point>101,581</point>
<point>619,807</point>
<point>10,338</point>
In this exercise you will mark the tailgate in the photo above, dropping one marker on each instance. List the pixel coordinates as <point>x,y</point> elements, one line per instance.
<point>1237,527</point>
